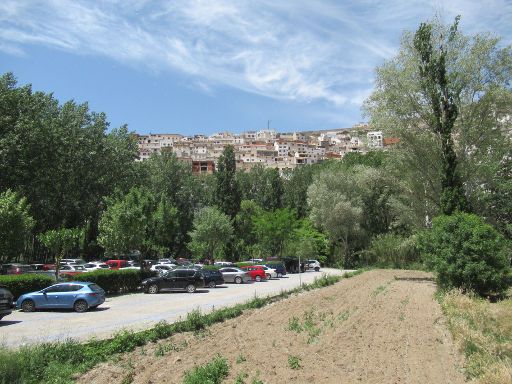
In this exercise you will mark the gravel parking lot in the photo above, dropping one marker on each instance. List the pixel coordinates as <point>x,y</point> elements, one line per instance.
<point>135,311</point>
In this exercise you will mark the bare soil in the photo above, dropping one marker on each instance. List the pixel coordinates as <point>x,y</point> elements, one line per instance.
<point>383,326</point>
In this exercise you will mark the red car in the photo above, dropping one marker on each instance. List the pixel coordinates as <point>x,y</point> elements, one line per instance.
<point>116,264</point>
<point>255,271</point>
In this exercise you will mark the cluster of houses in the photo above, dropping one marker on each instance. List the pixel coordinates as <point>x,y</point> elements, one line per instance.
<point>265,147</point>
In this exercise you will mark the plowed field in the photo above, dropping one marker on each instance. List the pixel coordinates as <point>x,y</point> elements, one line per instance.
<point>383,326</point>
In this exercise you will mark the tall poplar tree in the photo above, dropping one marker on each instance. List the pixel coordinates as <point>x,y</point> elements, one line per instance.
<point>227,192</point>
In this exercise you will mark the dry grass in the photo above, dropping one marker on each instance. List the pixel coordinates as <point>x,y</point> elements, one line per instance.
<point>483,332</point>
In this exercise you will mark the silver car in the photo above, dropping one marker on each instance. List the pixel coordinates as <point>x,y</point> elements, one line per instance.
<point>234,275</point>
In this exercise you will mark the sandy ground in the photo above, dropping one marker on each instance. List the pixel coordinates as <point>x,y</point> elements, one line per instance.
<point>379,327</point>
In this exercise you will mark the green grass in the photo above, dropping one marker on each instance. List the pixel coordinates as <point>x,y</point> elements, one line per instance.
<point>483,332</point>
<point>211,373</point>
<point>59,362</point>
<point>294,362</point>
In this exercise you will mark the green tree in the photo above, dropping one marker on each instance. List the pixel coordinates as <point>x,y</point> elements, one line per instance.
<point>212,231</point>
<point>246,237</point>
<point>137,221</point>
<point>60,242</point>
<point>308,242</point>
<point>443,88</point>
<point>227,192</point>
<point>274,229</point>
<point>467,253</point>
<point>15,225</point>
<point>62,158</point>
<point>295,189</point>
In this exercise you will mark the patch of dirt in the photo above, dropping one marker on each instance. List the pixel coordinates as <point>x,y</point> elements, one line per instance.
<point>383,326</point>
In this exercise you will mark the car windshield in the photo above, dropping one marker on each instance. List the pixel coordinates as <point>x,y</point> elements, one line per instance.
<point>79,267</point>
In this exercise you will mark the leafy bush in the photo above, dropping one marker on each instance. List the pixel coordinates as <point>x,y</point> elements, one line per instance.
<point>20,284</point>
<point>467,253</point>
<point>115,281</point>
<point>212,373</point>
<point>391,251</point>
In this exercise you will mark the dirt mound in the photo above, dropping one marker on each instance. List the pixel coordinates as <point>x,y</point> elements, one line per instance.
<point>379,327</point>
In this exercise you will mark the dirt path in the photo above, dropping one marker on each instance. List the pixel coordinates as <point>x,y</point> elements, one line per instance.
<point>379,327</point>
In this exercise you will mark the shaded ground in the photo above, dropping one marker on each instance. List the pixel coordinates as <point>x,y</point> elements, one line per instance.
<point>379,327</point>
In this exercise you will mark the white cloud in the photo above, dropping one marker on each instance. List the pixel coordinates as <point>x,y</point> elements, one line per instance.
<point>307,51</point>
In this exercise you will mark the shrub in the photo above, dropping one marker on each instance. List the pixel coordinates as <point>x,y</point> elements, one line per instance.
<point>20,284</point>
<point>114,281</point>
<point>391,251</point>
<point>466,253</point>
<point>212,373</point>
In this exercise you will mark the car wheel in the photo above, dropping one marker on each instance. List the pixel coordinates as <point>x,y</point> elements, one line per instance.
<point>80,306</point>
<point>317,269</point>
<point>269,276</point>
<point>279,275</point>
<point>191,288</point>
<point>258,278</point>
<point>238,280</point>
<point>212,284</point>
<point>28,306</point>
<point>153,288</point>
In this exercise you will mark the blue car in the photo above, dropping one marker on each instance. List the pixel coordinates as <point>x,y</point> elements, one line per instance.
<point>76,294</point>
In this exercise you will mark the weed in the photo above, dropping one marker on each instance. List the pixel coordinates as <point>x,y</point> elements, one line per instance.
<point>240,378</point>
<point>378,290</point>
<point>294,362</point>
<point>483,331</point>
<point>401,317</point>
<point>213,372</point>
<point>343,316</point>
<point>240,358</point>
<point>294,325</point>
<point>162,349</point>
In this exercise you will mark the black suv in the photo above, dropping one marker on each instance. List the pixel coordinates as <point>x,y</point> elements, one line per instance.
<point>187,279</point>
<point>6,302</point>
<point>280,268</point>
<point>212,278</point>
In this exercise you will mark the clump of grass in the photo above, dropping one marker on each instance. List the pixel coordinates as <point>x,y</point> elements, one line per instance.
<point>294,324</point>
<point>212,373</point>
<point>378,290</point>
<point>240,378</point>
<point>240,358</point>
<point>294,362</point>
<point>483,331</point>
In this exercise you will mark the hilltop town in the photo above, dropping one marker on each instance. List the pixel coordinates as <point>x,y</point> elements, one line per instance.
<point>265,147</point>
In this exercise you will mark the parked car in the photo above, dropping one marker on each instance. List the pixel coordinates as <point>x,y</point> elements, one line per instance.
<point>313,264</point>
<point>71,270</point>
<point>269,272</point>
<point>212,278</point>
<point>235,275</point>
<point>95,265</point>
<point>49,267</point>
<point>161,268</point>
<point>117,264</point>
<point>256,272</point>
<point>77,295</point>
<point>280,268</point>
<point>73,261</point>
<point>16,269</point>
<point>6,302</point>
<point>187,279</point>
<point>224,263</point>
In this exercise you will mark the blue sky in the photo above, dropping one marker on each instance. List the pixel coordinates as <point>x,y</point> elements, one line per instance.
<point>189,66</point>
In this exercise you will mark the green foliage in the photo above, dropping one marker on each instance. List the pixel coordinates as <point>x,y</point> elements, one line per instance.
<point>62,157</point>
<point>60,242</point>
<point>294,362</point>
<point>391,251</point>
<point>21,284</point>
<point>211,373</point>
<point>467,253</point>
<point>296,183</point>
<point>15,225</point>
<point>138,220</point>
<point>264,186</point>
<point>212,231</point>
<point>227,191</point>
<point>115,281</point>
<point>274,229</point>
